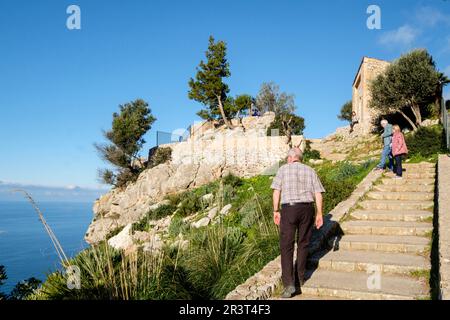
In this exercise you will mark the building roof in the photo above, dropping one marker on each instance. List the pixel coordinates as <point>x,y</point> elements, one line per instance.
<point>360,65</point>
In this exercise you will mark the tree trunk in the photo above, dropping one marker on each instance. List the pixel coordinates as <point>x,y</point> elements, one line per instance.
<point>409,120</point>
<point>222,112</point>
<point>416,110</point>
<point>288,131</point>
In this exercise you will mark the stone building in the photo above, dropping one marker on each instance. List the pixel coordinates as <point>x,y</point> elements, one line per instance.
<point>368,70</point>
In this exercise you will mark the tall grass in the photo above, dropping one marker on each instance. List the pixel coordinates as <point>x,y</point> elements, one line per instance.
<point>107,274</point>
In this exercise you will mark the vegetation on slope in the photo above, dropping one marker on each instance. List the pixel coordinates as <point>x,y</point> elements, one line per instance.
<point>219,256</point>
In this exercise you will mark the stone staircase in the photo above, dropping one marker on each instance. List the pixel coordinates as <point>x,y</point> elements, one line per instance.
<point>389,230</point>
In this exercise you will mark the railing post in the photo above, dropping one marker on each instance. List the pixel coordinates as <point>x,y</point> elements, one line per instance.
<point>445,123</point>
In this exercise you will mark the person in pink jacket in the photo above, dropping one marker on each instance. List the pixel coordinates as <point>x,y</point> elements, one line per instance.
<point>399,149</point>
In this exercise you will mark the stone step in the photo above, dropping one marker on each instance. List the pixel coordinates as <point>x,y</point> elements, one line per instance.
<point>384,195</point>
<point>394,228</point>
<point>426,165</point>
<point>310,297</point>
<point>350,261</point>
<point>396,205</point>
<point>414,175</point>
<point>357,285</point>
<point>390,215</point>
<point>405,244</point>
<point>407,181</point>
<point>404,188</point>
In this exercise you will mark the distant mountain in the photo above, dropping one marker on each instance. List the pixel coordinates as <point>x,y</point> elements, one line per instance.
<point>69,193</point>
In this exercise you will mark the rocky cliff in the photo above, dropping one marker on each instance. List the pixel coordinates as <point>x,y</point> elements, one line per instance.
<point>244,151</point>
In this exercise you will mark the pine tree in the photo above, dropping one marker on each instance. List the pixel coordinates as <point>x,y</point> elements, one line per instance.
<point>208,87</point>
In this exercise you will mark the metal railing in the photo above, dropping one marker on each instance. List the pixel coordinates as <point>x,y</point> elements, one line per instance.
<point>171,137</point>
<point>445,122</point>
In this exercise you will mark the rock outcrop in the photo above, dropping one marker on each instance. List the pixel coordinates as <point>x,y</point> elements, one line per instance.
<point>244,151</point>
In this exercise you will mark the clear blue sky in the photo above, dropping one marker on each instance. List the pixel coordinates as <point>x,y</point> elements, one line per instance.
<point>58,88</point>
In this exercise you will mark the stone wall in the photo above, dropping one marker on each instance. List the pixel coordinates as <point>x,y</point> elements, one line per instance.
<point>369,69</point>
<point>212,153</point>
<point>262,285</point>
<point>444,224</point>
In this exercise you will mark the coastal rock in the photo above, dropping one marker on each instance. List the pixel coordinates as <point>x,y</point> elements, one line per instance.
<point>123,240</point>
<point>225,210</point>
<point>207,199</point>
<point>201,223</point>
<point>212,213</point>
<point>206,156</point>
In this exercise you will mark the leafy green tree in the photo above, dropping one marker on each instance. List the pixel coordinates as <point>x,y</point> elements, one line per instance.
<point>126,139</point>
<point>3,277</point>
<point>208,87</point>
<point>270,99</point>
<point>241,105</point>
<point>411,83</point>
<point>443,81</point>
<point>24,288</point>
<point>346,112</point>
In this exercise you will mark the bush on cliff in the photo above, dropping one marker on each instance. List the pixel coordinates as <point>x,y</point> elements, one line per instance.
<point>160,156</point>
<point>125,140</point>
<point>426,142</point>
<point>310,153</point>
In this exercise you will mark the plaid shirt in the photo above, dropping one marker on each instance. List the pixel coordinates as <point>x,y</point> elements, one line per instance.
<point>297,183</point>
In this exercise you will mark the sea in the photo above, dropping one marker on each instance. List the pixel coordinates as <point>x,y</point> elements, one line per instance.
<point>26,249</point>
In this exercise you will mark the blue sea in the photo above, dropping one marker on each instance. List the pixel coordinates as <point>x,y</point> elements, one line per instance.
<point>25,248</point>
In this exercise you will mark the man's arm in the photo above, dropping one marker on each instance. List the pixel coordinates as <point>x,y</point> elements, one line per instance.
<point>319,209</point>
<point>276,206</point>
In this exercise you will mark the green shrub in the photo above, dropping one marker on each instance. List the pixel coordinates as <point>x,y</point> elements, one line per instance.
<point>232,180</point>
<point>159,213</point>
<point>3,277</point>
<point>212,253</point>
<point>161,155</point>
<point>426,141</point>
<point>310,153</point>
<point>162,212</point>
<point>190,203</point>
<point>24,289</point>
<point>343,171</point>
<point>114,232</point>
<point>336,192</point>
<point>249,214</point>
<point>178,226</point>
<point>107,274</point>
<point>339,181</point>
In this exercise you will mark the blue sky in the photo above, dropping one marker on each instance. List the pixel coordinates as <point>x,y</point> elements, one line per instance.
<point>58,88</point>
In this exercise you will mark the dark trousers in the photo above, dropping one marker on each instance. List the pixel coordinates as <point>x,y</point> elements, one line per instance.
<point>398,170</point>
<point>299,219</point>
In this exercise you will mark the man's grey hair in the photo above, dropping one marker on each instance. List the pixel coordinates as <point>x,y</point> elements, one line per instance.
<point>384,121</point>
<point>295,153</point>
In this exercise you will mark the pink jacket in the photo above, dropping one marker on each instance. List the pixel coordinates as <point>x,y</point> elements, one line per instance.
<point>398,144</point>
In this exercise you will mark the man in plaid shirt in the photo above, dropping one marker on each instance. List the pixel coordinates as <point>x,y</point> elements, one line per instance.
<point>299,187</point>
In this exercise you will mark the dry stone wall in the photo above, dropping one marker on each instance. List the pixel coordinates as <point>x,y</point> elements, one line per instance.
<point>244,151</point>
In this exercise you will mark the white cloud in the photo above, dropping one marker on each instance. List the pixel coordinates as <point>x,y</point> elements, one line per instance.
<point>404,36</point>
<point>430,17</point>
<point>72,187</point>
